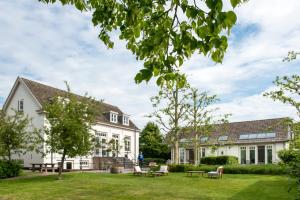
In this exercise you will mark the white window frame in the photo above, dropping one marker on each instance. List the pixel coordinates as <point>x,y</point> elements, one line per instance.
<point>125,120</point>
<point>84,163</point>
<point>127,143</point>
<point>113,117</point>
<point>21,105</point>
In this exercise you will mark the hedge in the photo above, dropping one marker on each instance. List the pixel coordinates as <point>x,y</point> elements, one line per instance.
<point>232,169</point>
<point>219,160</point>
<point>9,169</point>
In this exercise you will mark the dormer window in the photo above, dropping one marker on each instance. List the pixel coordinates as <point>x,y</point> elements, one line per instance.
<point>21,105</point>
<point>114,117</point>
<point>125,120</point>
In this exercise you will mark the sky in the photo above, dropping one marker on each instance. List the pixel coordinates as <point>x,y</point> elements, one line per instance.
<point>54,43</point>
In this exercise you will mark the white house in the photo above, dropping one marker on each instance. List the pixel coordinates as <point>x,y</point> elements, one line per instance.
<point>28,96</point>
<point>252,142</point>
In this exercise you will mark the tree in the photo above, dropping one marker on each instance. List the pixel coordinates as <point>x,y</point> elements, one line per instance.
<point>201,117</point>
<point>17,134</point>
<point>292,55</point>
<point>288,92</point>
<point>171,113</point>
<point>70,121</point>
<point>163,33</point>
<point>152,142</point>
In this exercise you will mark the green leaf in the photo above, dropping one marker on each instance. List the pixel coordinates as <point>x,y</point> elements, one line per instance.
<point>234,3</point>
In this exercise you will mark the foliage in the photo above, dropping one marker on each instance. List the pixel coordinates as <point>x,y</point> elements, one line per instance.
<point>163,34</point>
<point>152,142</point>
<point>287,92</point>
<point>292,55</point>
<point>219,160</point>
<point>287,155</point>
<point>17,134</point>
<point>171,113</point>
<point>201,118</point>
<point>231,169</point>
<point>10,168</point>
<point>70,119</point>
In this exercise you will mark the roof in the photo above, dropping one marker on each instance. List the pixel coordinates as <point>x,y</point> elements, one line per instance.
<point>44,92</point>
<point>235,129</point>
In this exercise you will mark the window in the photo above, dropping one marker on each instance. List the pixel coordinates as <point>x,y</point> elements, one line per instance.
<point>204,139</point>
<point>113,117</point>
<point>243,155</point>
<point>244,137</point>
<point>101,142</point>
<point>125,120</point>
<point>257,136</point>
<point>127,144</point>
<point>252,155</point>
<point>202,152</point>
<point>181,155</point>
<point>269,154</point>
<point>115,145</point>
<point>21,105</point>
<point>223,138</point>
<point>84,163</point>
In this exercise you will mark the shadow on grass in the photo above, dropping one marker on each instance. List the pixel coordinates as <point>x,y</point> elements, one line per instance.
<point>262,190</point>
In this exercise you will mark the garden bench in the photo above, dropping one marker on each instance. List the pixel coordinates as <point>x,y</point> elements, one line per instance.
<point>195,172</point>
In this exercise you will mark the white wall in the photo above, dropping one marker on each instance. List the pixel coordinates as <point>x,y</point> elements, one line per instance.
<point>234,150</point>
<point>30,108</point>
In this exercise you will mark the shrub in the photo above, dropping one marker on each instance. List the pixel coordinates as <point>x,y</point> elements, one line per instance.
<point>219,160</point>
<point>231,169</point>
<point>157,160</point>
<point>287,156</point>
<point>9,169</point>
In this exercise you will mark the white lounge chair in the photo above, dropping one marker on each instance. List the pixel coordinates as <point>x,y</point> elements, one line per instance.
<point>163,170</point>
<point>137,171</point>
<point>217,174</point>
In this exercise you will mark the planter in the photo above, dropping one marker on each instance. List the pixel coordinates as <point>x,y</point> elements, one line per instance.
<point>116,170</point>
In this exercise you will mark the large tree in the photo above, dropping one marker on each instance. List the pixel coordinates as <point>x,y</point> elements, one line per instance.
<point>70,119</point>
<point>170,113</point>
<point>202,117</point>
<point>288,92</point>
<point>17,134</point>
<point>163,33</point>
<point>152,142</point>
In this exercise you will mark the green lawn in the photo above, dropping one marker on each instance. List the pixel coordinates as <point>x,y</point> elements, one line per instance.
<point>126,186</point>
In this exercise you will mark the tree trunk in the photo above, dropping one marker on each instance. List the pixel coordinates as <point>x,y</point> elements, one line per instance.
<point>196,154</point>
<point>9,154</point>
<point>176,150</point>
<point>61,167</point>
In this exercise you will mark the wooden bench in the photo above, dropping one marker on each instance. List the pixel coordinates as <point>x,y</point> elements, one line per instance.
<point>195,172</point>
<point>42,166</point>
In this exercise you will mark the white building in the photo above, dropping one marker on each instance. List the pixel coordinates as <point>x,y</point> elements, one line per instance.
<point>252,142</point>
<point>28,96</point>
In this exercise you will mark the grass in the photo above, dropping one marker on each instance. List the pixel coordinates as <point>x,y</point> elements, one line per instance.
<point>128,187</point>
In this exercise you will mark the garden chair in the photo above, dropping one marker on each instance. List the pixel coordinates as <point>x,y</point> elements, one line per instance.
<point>217,174</point>
<point>163,170</point>
<point>137,171</point>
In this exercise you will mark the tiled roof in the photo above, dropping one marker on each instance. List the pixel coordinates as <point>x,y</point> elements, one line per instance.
<point>44,92</point>
<point>235,129</point>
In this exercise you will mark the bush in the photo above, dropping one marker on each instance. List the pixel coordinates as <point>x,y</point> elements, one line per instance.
<point>231,169</point>
<point>287,156</point>
<point>219,160</point>
<point>157,160</point>
<point>9,169</point>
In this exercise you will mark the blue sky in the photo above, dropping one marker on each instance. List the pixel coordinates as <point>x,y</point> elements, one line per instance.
<point>51,43</point>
